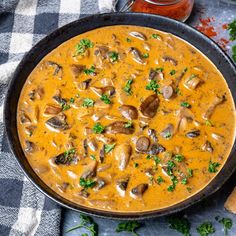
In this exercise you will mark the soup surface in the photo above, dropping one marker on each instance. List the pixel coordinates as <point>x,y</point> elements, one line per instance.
<point>127,119</point>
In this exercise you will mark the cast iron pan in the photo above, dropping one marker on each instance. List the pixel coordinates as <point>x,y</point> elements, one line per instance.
<point>204,44</point>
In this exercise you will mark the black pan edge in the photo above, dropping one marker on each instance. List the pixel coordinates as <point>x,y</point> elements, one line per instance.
<point>31,59</point>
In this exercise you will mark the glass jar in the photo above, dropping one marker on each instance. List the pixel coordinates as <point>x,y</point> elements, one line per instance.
<point>176,9</point>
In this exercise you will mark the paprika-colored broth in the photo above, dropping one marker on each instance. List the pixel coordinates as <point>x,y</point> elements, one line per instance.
<point>126,118</point>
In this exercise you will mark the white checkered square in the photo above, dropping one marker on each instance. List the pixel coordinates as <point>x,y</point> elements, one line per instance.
<point>26,7</point>
<point>21,43</point>
<point>70,6</point>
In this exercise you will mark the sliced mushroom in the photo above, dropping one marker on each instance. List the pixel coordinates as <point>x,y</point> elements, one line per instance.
<point>100,183</point>
<point>24,118</point>
<point>193,134</point>
<point>142,144</point>
<point>58,122</point>
<point>150,172</point>
<point>101,51</point>
<point>92,144</point>
<point>104,139</point>
<point>149,106</point>
<point>138,35</point>
<point>89,170</point>
<point>84,84</point>
<point>152,134</point>
<point>167,91</point>
<point>30,129</point>
<point>139,190</point>
<point>59,99</point>
<point>217,137</point>
<point>192,82</point>
<point>63,159</point>
<point>129,112</point>
<point>58,68</point>
<point>41,169</point>
<point>137,56</point>
<point>109,90</point>
<point>84,193</point>
<point>62,187</point>
<point>85,146</point>
<point>77,69</point>
<point>155,149</point>
<point>29,146</point>
<point>168,131</point>
<point>153,74</point>
<point>207,147</point>
<point>52,110</point>
<point>102,154</point>
<point>121,185</point>
<point>119,127</point>
<point>170,59</point>
<point>122,154</point>
<point>218,100</point>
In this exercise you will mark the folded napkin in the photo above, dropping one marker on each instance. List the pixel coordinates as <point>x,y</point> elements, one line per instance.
<point>24,211</point>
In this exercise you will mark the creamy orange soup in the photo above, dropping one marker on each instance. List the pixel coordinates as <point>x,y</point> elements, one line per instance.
<point>127,119</point>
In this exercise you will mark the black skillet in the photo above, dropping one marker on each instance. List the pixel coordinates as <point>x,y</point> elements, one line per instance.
<point>33,57</point>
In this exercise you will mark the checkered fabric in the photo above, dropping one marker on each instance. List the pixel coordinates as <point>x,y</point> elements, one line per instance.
<point>23,209</point>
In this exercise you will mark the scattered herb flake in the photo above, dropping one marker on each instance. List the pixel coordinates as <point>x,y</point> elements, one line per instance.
<point>160,180</point>
<point>88,102</point>
<point>72,100</point>
<point>232,30</point>
<point>129,124</point>
<point>87,183</point>
<point>170,166</point>
<point>114,56</point>
<point>205,229</point>
<point>180,224</point>
<point>212,168</point>
<point>146,55</point>
<point>109,147</point>
<point>69,152</point>
<point>98,128</point>
<point>82,46</point>
<point>153,86</point>
<point>185,104</point>
<point>227,224</point>
<point>155,36</point>
<point>185,69</point>
<point>93,157</point>
<point>128,40</point>
<point>190,172</point>
<point>178,92</point>
<point>172,72</point>
<point>90,71</point>
<point>167,135</point>
<point>208,123</point>
<point>105,99</point>
<point>171,187</point>
<point>136,165</point>
<point>128,226</point>
<point>184,181</point>
<point>127,87</point>
<point>234,53</point>
<point>159,69</point>
<point>178,157</point>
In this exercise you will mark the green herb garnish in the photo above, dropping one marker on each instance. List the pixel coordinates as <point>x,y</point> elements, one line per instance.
<point>232,30</point>
<point>205,229</point>
<point>172,72</point>
<point>87,183</point>
<point>93,157</point>
<point>178,157</point>
<point>212,168</point>
<point>129,124</point>
<point>146,55</point>
<point>190,172</point>
<point>174,180</point>
<point>178,92</point>
<point>136,165</point>
<point>208,123</point>
<point>114,56</point>
<point>87,223</point>
<point>153,86</point>
<point>128,40</point>
<point>98,128</point>
<point>82,46</point>
<point>234,53</point>
<point>72,100</point>
<point>155,36</point>
<point>170,166</point>
<point>88,102</point>
<point>160,180</point>
<point>90,71</point>
<point>159,69</point>
<point>180,224</point>
<point>184,181</point>
<point>129,226</point>
<point>227,224</point>
<point>69,152</point>
<point>105,99</point>
<point>185,104</point>
<point>127,87</point>
<point>109,147</point>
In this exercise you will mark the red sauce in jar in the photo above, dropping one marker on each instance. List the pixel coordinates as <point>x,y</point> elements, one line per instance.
<point>176,9</point>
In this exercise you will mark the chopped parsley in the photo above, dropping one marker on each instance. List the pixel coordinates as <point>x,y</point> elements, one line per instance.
<point>227,224</point>
<point>234,53</point>
<point>69,152</point>
<point>153,86</point>
<point>180,224</point>
<point>128,40</point>
<point>88,102</point>
<point>232,30</point>
<point>87,183</point>
<point>155,36</point>
<point>185,104</point>
<point>160,180</point>
<point>171,187</point>
<point>86,223</point>
<point>185,69</point>
<point>178,157</point>
<point>212,168</point>
<point>170,167</point>
<point>159,69</point>
<point>72,100</point>
<point>82,46</point>
<point>191,77</point>
<point>109,147</point>
<point>90,71</point>
<point>155,158</point>
<point>136,165</point>
<point>128,226</point>
<point>146,55</point>
<point>127,87</point>
<point>129,124</point>
<point>98,128</point>
<point>64,105</point>
<point>167,135</point>
<point>184,181</point>
<point>93,157</point>
<point>190,172</point>
<point>178,92</point>
<point>205,229</point>
<point>105,99</point>
<point>208,123</point>
<point>172,72</point>
<point>114,56</point>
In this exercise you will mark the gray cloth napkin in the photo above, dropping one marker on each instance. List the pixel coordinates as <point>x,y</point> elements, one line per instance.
<point>23,209</point>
